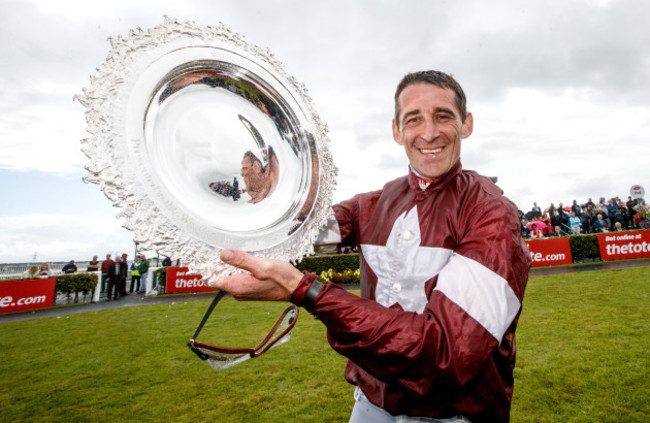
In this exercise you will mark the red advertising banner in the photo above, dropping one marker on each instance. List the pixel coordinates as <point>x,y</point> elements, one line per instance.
<point>624,245</point>
<point>178,280</point>
<point>26,295</point>
<point>550,251</point>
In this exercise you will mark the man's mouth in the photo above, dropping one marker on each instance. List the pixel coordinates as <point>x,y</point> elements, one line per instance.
<point>431,150</point>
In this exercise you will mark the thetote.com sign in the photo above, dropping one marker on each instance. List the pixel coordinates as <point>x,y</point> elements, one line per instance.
<point>550,251</point>
<point>624,245</point>
<point>179,280</point>
<point>26,295</point>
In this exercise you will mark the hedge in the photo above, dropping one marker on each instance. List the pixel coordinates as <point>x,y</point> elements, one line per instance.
<point>337,262</point>
<point>584,247</point>
<point>75,283</point>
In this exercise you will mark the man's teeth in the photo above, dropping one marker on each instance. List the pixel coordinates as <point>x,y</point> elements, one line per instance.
<point>431,150</point>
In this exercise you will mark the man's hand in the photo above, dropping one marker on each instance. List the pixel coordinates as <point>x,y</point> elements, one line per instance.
<point>268,280</point>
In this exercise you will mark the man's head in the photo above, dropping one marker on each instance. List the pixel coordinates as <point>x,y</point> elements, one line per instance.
<point>430,120</point>
<point>439,79</point>
<point>108,256</point>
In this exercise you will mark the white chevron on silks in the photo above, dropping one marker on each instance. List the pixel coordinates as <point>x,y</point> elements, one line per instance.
<point>403,266</point>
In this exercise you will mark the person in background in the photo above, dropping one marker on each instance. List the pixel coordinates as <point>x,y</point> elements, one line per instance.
<point>124,273</point>
<point>167,262</point>
<point>601,225</point>
<point>32,272</point>
<point>114,279</point>
<point>105,265</point>
<point>612,211</point>
<point>45,270</point>
<point>144,272</point>
<point>93,265</point>
<point>135,274</point>
<point>535,233</point>
<point>631,210</point>
<point>71,267</point>
<point>574,223</point>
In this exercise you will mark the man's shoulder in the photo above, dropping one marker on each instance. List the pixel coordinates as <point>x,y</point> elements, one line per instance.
<point>469,180</point>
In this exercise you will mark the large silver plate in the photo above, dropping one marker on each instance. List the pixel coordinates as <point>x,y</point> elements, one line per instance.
<point>205,143</point>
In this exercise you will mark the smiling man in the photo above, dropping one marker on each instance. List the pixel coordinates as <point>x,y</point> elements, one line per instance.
<point>443,273</point>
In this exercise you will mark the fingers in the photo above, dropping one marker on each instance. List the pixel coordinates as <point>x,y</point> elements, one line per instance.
<point>240,259</point>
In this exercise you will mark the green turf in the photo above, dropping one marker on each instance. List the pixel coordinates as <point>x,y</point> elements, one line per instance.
<point>582,357</point>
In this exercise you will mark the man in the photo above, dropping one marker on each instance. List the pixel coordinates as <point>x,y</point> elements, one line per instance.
<point>105,265</point>
<point>144,269</point>
<point>114,274</point>
<point>601,225</point>
<point>443,272</point>
<point>71,267</point>
<point>252,171</point>
<point>135,274</point>
<point>93,265</point>
<point>124,272</point>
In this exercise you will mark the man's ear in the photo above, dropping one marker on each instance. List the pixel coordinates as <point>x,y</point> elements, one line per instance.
<point>468,126</point>
<point>396,133</point>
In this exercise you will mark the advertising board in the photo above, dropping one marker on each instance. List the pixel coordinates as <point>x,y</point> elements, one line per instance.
<point>26,295</point>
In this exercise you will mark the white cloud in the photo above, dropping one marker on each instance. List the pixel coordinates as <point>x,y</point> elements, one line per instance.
<point>61,237</point>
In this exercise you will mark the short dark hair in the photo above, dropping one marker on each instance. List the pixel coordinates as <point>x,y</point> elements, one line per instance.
<point>437,78</point>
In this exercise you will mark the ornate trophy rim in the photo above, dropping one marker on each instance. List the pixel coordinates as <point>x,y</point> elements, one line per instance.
<point>115,104</point>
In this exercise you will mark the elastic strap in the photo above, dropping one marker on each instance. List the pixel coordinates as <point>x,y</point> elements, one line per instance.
<point>216,300</point>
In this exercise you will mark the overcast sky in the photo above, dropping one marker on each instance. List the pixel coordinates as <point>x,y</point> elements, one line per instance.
<point>560,92</point>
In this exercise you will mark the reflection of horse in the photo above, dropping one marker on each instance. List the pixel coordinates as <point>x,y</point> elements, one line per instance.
<point>260,179</point>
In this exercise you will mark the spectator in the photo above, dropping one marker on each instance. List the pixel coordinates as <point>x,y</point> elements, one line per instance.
<point>144,272</point>
<point>535,233</point>
<point>135,274</point>
<point>612,211</point>
<point>167,262</point>
<point>536,210</point>
<point>631,209</point>
<point>574,223</point>
<point>32,272</point>
<point>124,273</point>
<point>601,225</point>
<point>114,279</point>
<point>585,221</point>
<point>69,268</point>
<point>45,270</point>
<point>93,265</point>
<point>618,227</point>
<point>105,265</point>
<point>576,208</point>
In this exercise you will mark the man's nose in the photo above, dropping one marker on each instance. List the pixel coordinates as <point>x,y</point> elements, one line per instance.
<point>430,130</point>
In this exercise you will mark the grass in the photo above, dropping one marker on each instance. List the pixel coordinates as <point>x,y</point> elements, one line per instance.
<point>582,357</point>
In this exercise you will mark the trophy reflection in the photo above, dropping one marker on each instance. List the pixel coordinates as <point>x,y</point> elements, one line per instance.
<point>260,174</point>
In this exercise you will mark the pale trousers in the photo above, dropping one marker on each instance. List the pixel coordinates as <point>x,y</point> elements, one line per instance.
<point>366,412</point>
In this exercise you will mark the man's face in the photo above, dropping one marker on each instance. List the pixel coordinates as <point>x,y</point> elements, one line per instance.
<point>430,128</point>
<point>252,175</point>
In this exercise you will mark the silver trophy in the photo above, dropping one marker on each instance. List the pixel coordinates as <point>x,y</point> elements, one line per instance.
<point>204,142</point>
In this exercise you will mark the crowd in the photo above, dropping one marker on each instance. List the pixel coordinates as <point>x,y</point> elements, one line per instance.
<point>114,273</point>
<point>587,218</point>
